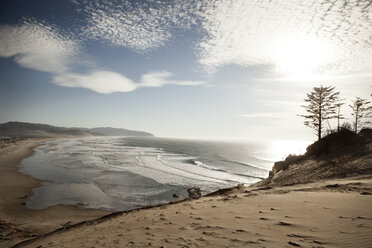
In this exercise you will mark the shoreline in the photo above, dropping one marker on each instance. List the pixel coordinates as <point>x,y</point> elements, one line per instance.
<point>17,222</point>
<point>236,216</point>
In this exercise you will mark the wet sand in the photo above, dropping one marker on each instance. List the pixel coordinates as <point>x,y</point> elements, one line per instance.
<point>18,223</point>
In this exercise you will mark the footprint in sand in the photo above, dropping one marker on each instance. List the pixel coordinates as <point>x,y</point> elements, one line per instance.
<point>293,244</point>
<point>293,235</point>
<point>319,242</point>
<point>193,224</point>
<point>282,223</point>
<point>208,227</point>
<point>201,239</point>
<point>343,217</point>
<point>362,218</point>
<point>209,233</point>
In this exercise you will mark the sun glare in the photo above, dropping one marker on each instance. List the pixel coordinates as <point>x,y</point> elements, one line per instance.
<point>281,149</point>
<point>302,59</point>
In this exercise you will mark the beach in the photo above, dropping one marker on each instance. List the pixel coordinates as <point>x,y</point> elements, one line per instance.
<point>17,222</point>
<point>123,173</point>
<point>328,213</point>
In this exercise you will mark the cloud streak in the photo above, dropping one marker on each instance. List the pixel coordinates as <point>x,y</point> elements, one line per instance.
<point>107,82</point>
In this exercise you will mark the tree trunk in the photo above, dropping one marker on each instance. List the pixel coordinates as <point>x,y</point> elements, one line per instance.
<point>320,123</point>
<point>320,130</point>
<point>356,120</point>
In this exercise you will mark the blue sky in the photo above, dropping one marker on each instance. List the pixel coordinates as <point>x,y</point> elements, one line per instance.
<point>191,69</point>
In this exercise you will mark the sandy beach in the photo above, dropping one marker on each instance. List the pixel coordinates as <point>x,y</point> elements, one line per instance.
<point>17,222</point>
<point>328,213</point>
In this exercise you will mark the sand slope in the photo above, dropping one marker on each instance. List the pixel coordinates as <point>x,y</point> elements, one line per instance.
<point>324,214</point>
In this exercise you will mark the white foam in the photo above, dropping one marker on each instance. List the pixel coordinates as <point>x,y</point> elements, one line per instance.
<point>96,172</point>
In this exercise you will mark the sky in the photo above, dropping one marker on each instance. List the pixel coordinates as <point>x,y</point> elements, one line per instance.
<point>189,69</point>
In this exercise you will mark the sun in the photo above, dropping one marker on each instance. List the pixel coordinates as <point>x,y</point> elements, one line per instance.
<point>302,58</point>
<point>279,150</point>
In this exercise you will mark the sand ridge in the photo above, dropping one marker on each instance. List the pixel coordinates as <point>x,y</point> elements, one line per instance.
<point>324,214</point>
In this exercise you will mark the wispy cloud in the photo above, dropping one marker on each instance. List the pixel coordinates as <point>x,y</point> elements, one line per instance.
<point>41,47</point>
<point>332,36</point>
<point>321,35</point>
<point>37,46</point>
<point>139,26</point>
<point>108,82</point>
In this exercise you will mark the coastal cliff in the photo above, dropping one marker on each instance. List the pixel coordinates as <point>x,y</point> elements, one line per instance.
<point>338,155</point>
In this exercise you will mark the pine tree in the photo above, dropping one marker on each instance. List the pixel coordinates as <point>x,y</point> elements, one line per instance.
<point>321,107</point>
<point>360,110</point>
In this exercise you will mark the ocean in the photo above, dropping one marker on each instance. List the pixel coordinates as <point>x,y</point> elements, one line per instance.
<point>122,173</point>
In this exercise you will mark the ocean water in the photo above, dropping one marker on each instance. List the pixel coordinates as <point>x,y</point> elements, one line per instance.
<point>121,173</point>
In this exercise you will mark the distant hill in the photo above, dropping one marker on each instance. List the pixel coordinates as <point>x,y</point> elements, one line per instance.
<point>109,131</point>
<point>24,129</point>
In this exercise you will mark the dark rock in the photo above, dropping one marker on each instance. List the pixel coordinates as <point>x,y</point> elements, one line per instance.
<point>194,192</point>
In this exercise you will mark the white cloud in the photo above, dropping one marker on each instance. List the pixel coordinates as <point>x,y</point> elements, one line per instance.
<point>135,25</point>
<point>40,47</point>
<point>321,36</point>
<point>293,35</point>
<point>99,81</point>
<point>108,82</point>
<point>158,79</point>
<point>300,37</point>
<point>37,46</point>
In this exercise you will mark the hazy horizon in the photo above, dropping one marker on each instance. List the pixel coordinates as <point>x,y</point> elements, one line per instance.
<point>215,70</point>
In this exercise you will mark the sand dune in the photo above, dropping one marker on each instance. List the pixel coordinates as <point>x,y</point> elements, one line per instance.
<point>326,214</point>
